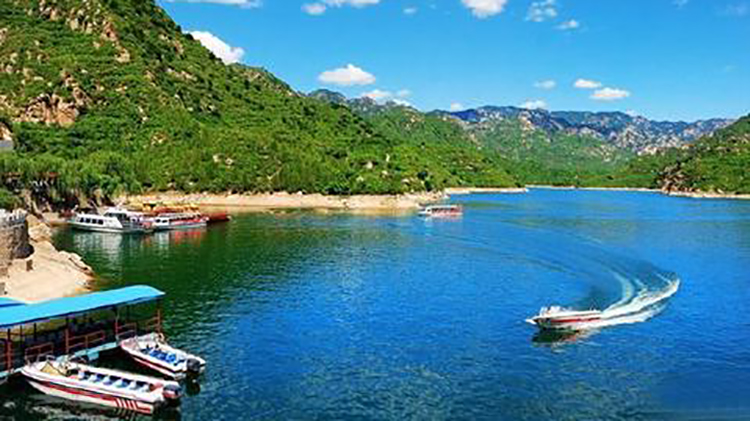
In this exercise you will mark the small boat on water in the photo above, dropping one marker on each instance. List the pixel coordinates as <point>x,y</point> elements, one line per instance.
<point>441,211</point>
<point>114,220</point>
<point>116,389</point>
<point>178,221</point>
<point>558,318</point>
<point>154,352</point>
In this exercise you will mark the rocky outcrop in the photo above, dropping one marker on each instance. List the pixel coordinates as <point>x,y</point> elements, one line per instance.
<point>14,237</point>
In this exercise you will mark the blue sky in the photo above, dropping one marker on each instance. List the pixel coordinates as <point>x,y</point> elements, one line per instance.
<point>664,59</point>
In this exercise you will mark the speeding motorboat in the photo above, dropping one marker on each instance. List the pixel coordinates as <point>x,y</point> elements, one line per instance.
<point>154,352</point>
<point>558,318</point>
<point>116,389</point>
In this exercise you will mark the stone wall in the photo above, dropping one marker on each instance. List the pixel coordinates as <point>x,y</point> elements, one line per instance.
<point>14,238</point>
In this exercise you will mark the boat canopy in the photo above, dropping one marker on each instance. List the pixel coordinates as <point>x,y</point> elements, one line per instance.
<point>9,302</point>
<point>72,306</point>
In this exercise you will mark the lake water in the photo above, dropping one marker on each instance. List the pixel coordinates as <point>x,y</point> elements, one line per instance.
<point>302,315</point>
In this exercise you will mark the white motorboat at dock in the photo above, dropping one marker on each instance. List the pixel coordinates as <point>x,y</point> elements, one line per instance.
<point>116,389</point>
<point>179,221</point>
<point>154,352</point>
<point>114,220</point>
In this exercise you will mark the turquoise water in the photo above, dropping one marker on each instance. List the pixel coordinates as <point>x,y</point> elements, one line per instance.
<point>308,316</point>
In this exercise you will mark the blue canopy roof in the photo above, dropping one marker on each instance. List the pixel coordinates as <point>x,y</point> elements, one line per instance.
<point>56,309</point>
<point>9,302</point>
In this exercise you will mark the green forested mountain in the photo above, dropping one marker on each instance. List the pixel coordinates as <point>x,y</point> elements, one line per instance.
<point>719,163</point>
<point>101,96</point>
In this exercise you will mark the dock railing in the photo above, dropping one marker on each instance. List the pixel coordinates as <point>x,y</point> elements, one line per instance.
<point>74,344</point>
<point>35,353</point>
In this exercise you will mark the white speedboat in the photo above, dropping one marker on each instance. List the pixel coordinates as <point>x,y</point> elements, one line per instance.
<point>114,220</point>
<point>558,318</point>
<point>153,352</point>
<point>178,221</point>
<point>441,211</point>
<point>115,389</point>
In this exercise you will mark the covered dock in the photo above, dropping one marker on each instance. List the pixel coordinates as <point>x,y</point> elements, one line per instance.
<point>81,326</point>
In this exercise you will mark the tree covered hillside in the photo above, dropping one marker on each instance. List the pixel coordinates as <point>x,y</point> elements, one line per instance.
<point>719,163</point>
<point>103,96</point>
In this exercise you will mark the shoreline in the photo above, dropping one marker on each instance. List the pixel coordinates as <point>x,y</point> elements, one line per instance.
<point>54,273</point>
<point>457,191</point>
<point>691,195</point>
<point>271,201</point>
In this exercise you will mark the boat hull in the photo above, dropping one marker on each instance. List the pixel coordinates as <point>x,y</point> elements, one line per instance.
<point>109,230</point>
<point>62,391</point>
<point>176,227</point>
<point>179,371</point>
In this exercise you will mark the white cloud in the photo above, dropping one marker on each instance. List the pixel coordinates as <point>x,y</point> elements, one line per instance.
<point>347,76</point>
<point>737,10</point>
<point>545,84</point>
<point>403,93</point>
<point>485,8</point>
<point>320,7</point>
<point>569,25</point>
<point>534,104</point>
<point>377,95</point>
<point>456,106</point>
<point>610,94</point>
<point>632,113</point>
<point>410,11</point>
<point>314,9</point>
<point>542,10</point>
<point>241,3</point>
<point>402,103</point>
<point>221,49</point>
<point>680,3</point>
<point>587,84</point>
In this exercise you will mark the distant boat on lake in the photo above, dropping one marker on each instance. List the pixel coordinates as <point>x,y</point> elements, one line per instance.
<point>441,211</point>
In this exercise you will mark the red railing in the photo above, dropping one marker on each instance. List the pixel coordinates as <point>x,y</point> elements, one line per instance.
<point>34,353</point>
<point>75,344</point>
<point>152,325</point>
<point>125,331</point>
<point>7,360</point>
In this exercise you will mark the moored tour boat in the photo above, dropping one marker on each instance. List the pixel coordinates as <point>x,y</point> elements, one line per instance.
<point>154,352</point>
<point>444,211</point>
<point>114,220</point>
<point>176,221</point>
<point>558,318</point>
<point>115,389</point>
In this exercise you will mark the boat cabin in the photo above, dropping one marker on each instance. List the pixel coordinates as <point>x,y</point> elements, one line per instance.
<point>81,326</point>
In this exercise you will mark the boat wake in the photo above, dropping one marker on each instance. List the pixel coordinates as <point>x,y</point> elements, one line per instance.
<point>639,302</point>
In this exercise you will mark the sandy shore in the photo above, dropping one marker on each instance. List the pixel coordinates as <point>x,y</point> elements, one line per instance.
<point>454,191</point>
<point>694,195</point>
<point>54,273</point>
<point>292,201</point>
<point>634,189</point>
<point>704,195</point>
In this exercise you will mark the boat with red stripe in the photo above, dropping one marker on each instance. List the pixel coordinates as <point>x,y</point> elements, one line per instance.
<point>154,352</point>
<point>111,388</point>
<point>558,318</point>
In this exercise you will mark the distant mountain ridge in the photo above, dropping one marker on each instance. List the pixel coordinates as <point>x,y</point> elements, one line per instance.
<point>635,133</point>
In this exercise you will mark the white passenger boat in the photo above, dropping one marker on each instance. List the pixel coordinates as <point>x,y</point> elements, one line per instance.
<point>441,211</point>
<point>558,318</point>
<point>178,221</point>
<point>154,352</point>
<point>116,389</point>
<point>114,220</point>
